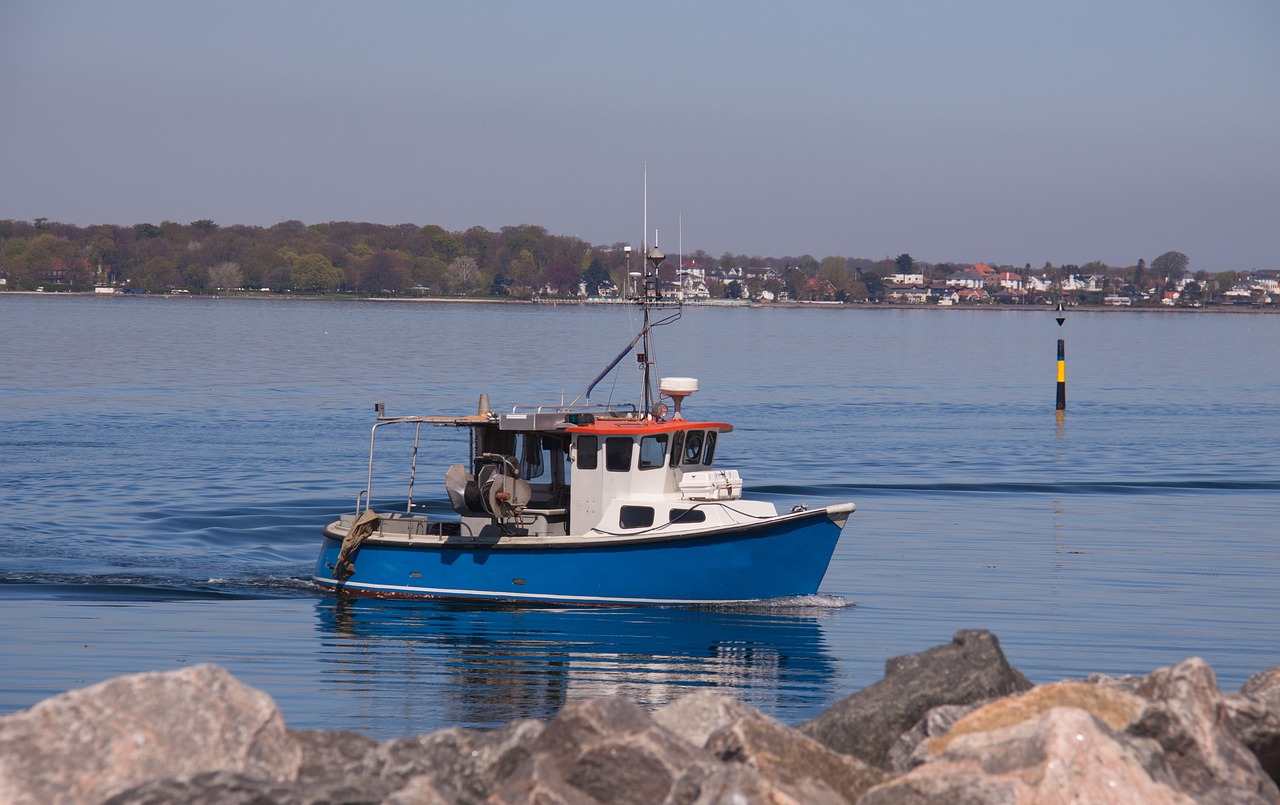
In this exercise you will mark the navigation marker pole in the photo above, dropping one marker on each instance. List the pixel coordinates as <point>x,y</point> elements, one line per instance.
<point>1062,365</point>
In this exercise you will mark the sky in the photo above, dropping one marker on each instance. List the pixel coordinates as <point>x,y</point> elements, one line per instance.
<point>1004,131</point>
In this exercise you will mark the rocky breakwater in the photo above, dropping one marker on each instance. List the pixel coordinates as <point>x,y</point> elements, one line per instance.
<point>954,724</point>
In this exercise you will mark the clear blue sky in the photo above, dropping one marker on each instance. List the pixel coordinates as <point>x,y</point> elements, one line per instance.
<point>1013,132</point>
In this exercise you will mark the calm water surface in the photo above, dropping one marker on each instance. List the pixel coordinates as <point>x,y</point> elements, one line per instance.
<point>166,465</point>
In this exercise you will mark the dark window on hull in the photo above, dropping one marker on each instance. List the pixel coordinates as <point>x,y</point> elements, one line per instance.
<point>688,516</point>
<point>635,516</point>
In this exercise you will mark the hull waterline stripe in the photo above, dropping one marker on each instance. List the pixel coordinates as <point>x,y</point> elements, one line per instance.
<point>489,594</point>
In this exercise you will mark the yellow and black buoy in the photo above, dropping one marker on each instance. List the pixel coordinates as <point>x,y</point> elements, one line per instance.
<point>1062,364</point>
<point>1062,375</point>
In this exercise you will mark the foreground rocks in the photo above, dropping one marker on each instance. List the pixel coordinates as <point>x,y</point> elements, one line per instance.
<point>954,724</point>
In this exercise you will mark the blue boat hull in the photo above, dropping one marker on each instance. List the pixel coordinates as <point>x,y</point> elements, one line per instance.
<point>786,557</point>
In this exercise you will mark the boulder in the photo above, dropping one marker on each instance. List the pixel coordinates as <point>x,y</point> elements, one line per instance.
<point>608,750</point>
<point>1187,717</point>
<point>333,754</point>
<point>695,716</point>
<point>970,669</point>
<point>792,760</point>
<point>1253,717</point>
<point>1062,755</point>
<point>1115,708</point>
<point>910,750</point>
<point>466,765</point>
<point>90,744</point>
<point>227,788</point>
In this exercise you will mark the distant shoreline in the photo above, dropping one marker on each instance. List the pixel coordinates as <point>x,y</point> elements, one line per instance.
<point>1249,309</point>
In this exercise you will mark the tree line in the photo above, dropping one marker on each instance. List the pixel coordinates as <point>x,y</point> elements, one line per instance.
<point>408,259</point>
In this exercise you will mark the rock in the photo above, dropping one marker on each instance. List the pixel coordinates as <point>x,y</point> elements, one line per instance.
<point>791,760</point>
<point>330,754</point>
<point>1187,716</point>
<point>1253,716</point>
<point>227,788</point>
<point>1112,707</point>
<point>910,751</point>
<point>1062,755</point>
<point>1264,685</point>
<point>465,765</point>
<point>970,669</point>
<point>608,750</point>
<point>696,716</point>
<point>90,744</point>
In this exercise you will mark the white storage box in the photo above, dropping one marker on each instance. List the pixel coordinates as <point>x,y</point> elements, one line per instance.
<point>711,485</point>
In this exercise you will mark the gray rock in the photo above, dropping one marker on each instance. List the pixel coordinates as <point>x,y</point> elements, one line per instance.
<point>696,716</point>
<point>791,760</point>
<point>1187,716</point>
<point>465,765</point>
<point>1264,685</point>
<point>909,751</point>
<point>332,754</point>
<point>970,669</point>
<point>737,785</point>
<point>1253,716</point>
<point>227,788</point>
<point>91,744</point>
<point>609,750</point>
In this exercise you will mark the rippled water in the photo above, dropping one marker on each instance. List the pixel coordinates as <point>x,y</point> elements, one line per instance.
<point>166,466</point>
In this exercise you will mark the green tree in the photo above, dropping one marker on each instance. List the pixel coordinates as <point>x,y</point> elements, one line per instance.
<point>314,273</point>
<point>595,276</point>
<point>905,264</point>
<point>385,272</point>
<point>160,274</point>
<point>1170,264</point>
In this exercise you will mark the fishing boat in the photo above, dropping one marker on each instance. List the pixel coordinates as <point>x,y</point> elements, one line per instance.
<point>582,503</point>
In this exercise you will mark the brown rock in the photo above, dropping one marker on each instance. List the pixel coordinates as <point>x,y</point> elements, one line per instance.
<point>1063,755</point>
<point>1112,707</point>
<point>89,744</point>
<point>970,669</point>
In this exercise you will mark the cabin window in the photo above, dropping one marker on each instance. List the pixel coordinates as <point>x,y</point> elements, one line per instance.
<point>588,452</point>
<point>635,516</point>
<point>677,447</point>
<point>653,451</point>
<point>710,451</point>
<point>688,516</point>
<point>693,447</point>
<point>617,453</point>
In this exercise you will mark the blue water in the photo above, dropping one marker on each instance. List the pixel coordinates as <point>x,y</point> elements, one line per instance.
<point>166,465</point>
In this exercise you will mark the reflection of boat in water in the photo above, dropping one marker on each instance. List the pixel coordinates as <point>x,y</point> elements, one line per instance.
<point>437,664</point>
<point>584,503</point>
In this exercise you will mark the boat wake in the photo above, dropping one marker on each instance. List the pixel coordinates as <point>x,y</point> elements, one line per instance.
<point>790,605</point>
<point>124,588</point>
